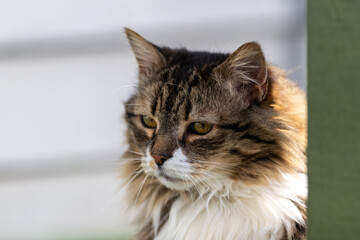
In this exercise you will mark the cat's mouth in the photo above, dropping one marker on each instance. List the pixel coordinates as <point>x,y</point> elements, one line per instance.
<point>172,181</point>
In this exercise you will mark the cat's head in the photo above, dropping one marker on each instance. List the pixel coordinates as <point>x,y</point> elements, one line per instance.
<point>190,116</point>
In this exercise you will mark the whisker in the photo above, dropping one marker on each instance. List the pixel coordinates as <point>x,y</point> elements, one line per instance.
<point>217,192</point>
<point>195,185</point>
<point>122,87</point>
<point>214,163</point>
<point>139,191</point>
<point>233,168</point>
<point>219,168</point>
<point>131,159</point>
<point>134,104</point>
<point>212,190</point>
<point>128,86</point>
<point>136,174</point>
<point>139,153</point>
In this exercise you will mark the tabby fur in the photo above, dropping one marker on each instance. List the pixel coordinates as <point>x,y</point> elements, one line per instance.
<point>246,178</point>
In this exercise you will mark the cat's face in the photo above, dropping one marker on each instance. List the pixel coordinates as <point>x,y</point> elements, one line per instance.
<point>183,128</point>
<point>188,115</point>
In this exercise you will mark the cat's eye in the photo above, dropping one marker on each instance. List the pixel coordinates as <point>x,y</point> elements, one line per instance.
<point>200,128</point>
<point>148,122</point>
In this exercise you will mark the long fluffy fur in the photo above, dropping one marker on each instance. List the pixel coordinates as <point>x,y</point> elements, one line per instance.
<point>246,179</point>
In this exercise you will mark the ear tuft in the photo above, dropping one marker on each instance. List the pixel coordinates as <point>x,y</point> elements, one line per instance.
<point>149,59</point>
<point>245,72</point>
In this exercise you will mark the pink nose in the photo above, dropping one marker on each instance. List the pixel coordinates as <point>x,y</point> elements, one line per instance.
<point>159,159</point>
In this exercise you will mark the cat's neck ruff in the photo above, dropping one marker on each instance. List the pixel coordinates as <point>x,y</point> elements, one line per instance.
<point>248,212</point>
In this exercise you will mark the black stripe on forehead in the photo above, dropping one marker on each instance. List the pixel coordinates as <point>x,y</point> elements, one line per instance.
<point>185,70</point>
<point>188,108</point>
<point>155,102</point>
<point>182,82</point>
<point>158,99</point>
<point>193,82</point>
<point>179,78</point>
<point>177,106</point>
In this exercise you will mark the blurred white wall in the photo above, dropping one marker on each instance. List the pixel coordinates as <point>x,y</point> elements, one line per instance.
<point>66,68</point>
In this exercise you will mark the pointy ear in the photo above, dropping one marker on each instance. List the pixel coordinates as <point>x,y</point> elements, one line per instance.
<point>244,72</point>
<point>149,59</point>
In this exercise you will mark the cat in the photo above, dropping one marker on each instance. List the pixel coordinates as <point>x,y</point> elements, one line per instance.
<point>217,146</point>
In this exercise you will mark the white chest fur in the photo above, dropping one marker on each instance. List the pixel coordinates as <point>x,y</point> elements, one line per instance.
<point>254,213</point>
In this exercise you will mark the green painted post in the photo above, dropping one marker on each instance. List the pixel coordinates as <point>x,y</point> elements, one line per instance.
<point>334,119</point>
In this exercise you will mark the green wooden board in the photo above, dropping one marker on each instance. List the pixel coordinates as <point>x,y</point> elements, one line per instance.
<point>334,119</point>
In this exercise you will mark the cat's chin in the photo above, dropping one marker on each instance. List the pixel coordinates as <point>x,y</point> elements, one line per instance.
<point>174,183</point>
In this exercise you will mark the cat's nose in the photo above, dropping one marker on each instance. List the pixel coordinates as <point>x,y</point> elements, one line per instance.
<point>159,158</point>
